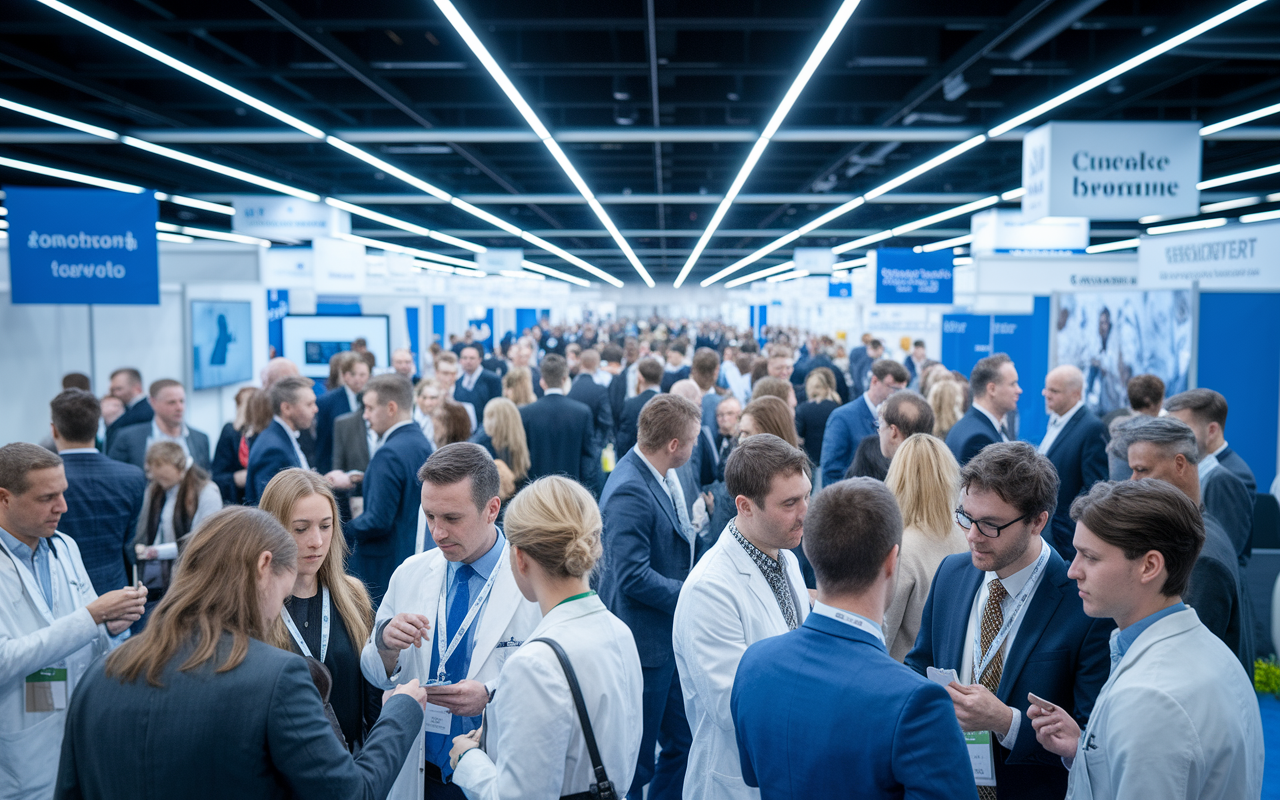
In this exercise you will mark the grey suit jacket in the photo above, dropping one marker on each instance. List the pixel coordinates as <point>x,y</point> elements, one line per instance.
<point>256,731</point>
<point>351,442</point>
<point>130,446</point>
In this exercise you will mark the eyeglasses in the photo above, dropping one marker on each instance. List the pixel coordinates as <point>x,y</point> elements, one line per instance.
<point>985,528</point>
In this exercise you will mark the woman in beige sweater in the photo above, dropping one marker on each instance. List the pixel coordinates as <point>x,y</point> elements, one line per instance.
<point>925,478</point>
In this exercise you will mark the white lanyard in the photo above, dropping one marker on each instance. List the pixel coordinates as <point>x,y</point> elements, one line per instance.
<point>324,628</point>
<point>28,577</point>
<point>854,620</point>
<point>980,663</point>
<point>476,605</point>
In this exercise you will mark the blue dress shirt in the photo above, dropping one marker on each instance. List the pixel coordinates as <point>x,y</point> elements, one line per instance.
<point>37,561</point>
<point>1124,639</point>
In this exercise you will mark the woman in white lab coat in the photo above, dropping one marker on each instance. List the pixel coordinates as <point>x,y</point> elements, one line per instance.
<point>535,747</point>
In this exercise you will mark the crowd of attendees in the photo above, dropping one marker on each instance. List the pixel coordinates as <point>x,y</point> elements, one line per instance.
<point>412,528</point>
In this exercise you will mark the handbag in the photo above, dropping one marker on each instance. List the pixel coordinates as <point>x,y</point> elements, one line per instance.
<point>602,789</point>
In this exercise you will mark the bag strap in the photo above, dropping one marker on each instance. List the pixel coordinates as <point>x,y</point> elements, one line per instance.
<point>602,788</point>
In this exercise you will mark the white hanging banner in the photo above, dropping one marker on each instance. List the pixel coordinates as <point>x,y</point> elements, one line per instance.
<point>286,219</point>
<point>339,266</point>
<point>1005,231</point>
<point>1229,257</point>
<point>286,267</point>
<point>814,260</point>
<point>496,259</point>
<point>1024,275</point>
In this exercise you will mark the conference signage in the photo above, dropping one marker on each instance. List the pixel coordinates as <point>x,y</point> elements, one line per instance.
<point>497,259</point>
<point>339,266</point>
<point>1111,170</point>
<point>905,276</point>
<point>1041,276</point>
<point>814,260</point>
<point>1227,257</point>
<point>1005,231</point>
<point>286,219</point>
<point>80,246</point>
<point>287,267</point>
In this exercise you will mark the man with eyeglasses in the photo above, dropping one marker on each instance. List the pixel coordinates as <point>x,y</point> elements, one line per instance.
<point>1004,622</point>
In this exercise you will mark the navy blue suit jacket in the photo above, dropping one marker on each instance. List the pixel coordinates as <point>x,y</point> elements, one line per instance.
<point>271,452</point>
<point>139,413</point>
<point>669,377</point>
<point>629,422</point>
<point>617,399</point>
<point>488,386</point>
<point>1236,466</point>
<point>104,498</point>
<point>1226,497</point>
<point>329,407</point>
<point>1218,594</point>
<point>1059,653</point>
<point>1080,456</point>
<point>819,677</point>
<point>970,434</point>
<point>130,446</point>
<point>846,427</point>
<point>226,462</point>
<point>385,534</point>
<point>595,397</point>
<point>646,559</point>
<point>559,432</point>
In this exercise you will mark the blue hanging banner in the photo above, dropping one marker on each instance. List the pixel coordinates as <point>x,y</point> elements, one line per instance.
<point>79,246</point>
<point>277,310</point>
<point>905,276</point>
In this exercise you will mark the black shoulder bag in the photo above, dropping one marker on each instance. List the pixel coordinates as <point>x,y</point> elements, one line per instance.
<point>602,789</point>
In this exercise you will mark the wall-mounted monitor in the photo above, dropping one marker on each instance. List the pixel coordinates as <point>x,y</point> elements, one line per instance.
<point>310,341</point>
<point>221,343</point>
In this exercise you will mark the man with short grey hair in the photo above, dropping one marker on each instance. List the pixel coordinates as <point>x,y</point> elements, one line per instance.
<point>1164,448</point>
<point>1076,443</point>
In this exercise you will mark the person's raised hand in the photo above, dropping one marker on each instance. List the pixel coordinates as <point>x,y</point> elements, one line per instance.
<point>412,689</point>
<point>1056,730</point>
<point>405,630</point>
<point>465,698</point>
<point>122,604</point>
<point>338,479</point>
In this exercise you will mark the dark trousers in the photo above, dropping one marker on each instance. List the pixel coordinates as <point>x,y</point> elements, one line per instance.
<point>664,724</point>
<point>433,788</point>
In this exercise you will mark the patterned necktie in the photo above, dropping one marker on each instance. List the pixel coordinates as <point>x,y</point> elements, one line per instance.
<point>456,667</point>
<point>992,621</point>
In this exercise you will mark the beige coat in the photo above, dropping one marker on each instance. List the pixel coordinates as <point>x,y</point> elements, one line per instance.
<point>918,559</point>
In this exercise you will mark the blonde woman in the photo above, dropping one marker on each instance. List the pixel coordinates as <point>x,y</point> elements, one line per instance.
<point>502,434</point>
<point>178,498</point>
<point>535,745</point>
<point>821,398</point>
<point>517,386</point>
<point>925,479</point>
<point>946,398</point>
<point>329,615</point>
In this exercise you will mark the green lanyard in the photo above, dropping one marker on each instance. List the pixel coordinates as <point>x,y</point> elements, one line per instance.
<point>575,597</point>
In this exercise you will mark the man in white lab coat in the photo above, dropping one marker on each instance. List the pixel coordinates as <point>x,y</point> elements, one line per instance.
<point>52,623</point>
<point>452,614</point>
<point>746,588</point>
<point>1177,719</point>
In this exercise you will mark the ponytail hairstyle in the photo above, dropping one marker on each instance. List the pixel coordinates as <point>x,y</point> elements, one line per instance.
<point>555,521</point>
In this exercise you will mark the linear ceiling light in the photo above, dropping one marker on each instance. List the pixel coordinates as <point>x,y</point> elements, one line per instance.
<point>204,233</point>
<point>944,244</point>
<point>408,227</point>
<point>764,273</point>
<point>828,39</point>
<point>1238,177</point>
<point>790,237</point>
<point>521,275</point>
<point>852,264</point>
<point>1043,108</point>
<point>554,273</point>
<point>192,202</point>
<point>1108,247</point>
<point>788,276</point>
<point>262,106</point>
<point>1240,120</point>
<point>58,119</point>
<point>1261,216</point>
<point>1187,226</point>
<point>67,175</point>
<point>177,238</point>
<point>230,172</point>
<point>508,88</point>
<point>426,255</point>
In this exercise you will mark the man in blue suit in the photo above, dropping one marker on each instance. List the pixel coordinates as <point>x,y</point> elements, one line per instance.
<point>790,691</point>
<point>994,385</point>
<point>648,379</point>
<point>476,385</point>
<point>293,401</point>
<point>104,496</point>
<point>595,397</point>
<point>1009,606</point>
<point>558,429</point>
<point>126,386</point>
<point>384,535</point>
<point>1076,443</point>
<point>854,421</point>
<point>649,548</point>
<point>343,399</point>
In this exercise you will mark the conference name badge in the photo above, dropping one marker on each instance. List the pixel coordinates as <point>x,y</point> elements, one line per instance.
<point>46,690</point>
<point>438,719</point>
<point>981,757</point>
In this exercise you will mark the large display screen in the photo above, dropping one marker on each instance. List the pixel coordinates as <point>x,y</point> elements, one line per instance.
<point>221,343</point>
<point>310,341</point>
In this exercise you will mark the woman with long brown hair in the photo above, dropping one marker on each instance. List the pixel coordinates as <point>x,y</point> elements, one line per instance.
<point>200,706</point>
<point>768,414</point>
<point>329,614</point>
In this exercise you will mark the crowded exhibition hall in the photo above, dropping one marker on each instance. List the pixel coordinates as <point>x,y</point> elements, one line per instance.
<point>660,400</point>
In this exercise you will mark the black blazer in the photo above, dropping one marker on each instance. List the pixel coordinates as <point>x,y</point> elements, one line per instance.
<point>1217,594</point>
<point>629,422</point>
<point>329,407</point>
<point>226,461</point>
<point>596,397</point>
<point>970,434</point>
<point>1079,454</point>
<point>669,377</point>
<point>1059,653</point>
<point>130,446</point>
<point>104,498</point>
<point>617,399</point>
<point>559,433</point>
<point>1225,497</point>
<point>139,413</point>
<point>256,731</point>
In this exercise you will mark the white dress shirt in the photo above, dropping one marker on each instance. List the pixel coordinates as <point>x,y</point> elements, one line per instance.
<point>1056,424</point>
<point>383,438</point>
<point>1012,585</point>
<point>999,423</point>
<point>469,379</point>
<point>293,437</point>
<point>352,402</point>
<point>180,440</point>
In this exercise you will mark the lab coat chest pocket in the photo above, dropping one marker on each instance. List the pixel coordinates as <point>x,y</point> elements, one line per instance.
<point>25,747</point>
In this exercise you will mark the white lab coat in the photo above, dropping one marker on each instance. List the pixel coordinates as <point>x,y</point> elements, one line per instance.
<point>1178,719</point>
<point>33,637</point>
<point>503,625</point>
<point>725,606</point>
<point>535,742</point>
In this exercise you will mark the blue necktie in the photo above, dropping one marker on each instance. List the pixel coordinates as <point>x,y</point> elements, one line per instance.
<point>456,667</point>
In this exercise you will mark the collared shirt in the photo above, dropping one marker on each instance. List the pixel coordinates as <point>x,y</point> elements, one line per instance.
<point>158,435</point>
<point>1012,586</point>
<point>469,378</point>
<point>671,482</point>
<point>1205,466</point>
<point>293,437</point>
<point>1218,452</point>
<point>999,423</point>
<point>1123,640</point>
<point>1056,424</point>
<point>138,399</point>
<point>353,401</point>
<point>74,450</point>
<point>553,391</point>
<point>840,615</point>
<point>774,572</point>
<point>37,560</point>
<point>381,440</point>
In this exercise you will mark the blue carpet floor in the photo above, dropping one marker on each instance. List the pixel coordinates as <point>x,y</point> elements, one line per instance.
<point>1271,735</point>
